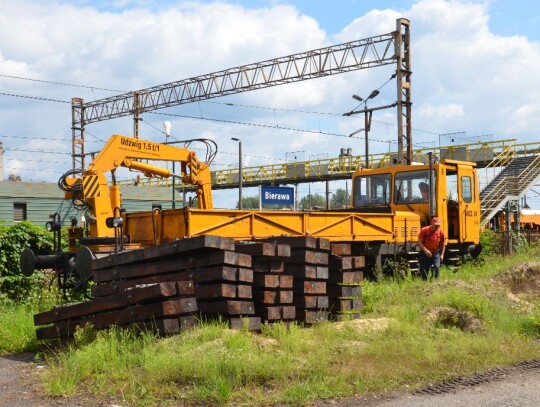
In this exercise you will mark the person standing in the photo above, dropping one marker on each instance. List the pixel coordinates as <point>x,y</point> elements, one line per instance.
<point>432,243</point>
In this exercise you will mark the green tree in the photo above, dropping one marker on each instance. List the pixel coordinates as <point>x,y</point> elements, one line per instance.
<point>340,199</point>
<point>249,202</point>
<point>309,202</point>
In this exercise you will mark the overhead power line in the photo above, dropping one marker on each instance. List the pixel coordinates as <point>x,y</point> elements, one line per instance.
<point>59,83</point>
<point>34,98</point>
<point>219,120</point>
<point>11,169</point>
<point>37,161</point>
<point>36,151</point>
<point>37,138</point>
<point>252,124</point>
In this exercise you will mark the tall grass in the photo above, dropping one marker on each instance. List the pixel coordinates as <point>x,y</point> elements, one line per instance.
<point>17,332</point>
<point>211,364</point>
<point>401,347</point>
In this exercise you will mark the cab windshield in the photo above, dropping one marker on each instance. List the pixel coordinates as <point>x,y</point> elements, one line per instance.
<point>372,190</point>
<point>412,187</point>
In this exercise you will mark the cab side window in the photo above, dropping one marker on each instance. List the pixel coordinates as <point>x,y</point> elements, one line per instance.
<point>466,189</point>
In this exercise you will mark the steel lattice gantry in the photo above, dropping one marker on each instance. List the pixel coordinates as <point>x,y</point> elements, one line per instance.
<point>360,54</point>
<point>404,101</point>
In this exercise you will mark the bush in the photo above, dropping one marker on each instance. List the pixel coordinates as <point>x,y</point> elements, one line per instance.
<point>13,239</point>
<point>491,242</point>
<point>531,326</point>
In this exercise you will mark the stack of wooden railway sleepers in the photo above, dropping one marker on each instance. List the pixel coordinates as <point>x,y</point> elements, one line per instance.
<point>344,282</point>
<point>308,265</point>
<point>272,288</point>
<point>156,287</point>
<point>164,307</point>
<point>171,286</point>
<point>224,289</point>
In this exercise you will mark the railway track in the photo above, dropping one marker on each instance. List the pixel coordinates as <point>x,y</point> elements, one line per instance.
<point>494,374</point>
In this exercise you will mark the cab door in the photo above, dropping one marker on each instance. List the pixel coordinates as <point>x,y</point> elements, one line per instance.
<point>468,204</point>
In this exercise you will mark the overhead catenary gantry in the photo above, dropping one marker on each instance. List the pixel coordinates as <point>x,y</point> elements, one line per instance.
<point>403,81</point>
<point>370,52</point>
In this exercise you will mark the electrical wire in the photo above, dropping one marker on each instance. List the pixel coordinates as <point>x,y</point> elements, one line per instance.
<point>60,83</point>
<point>231,121</point>
<point>36,151</point>
<point>222,152</point>
<point>36,138</point>
<point>34,98</point>
<point>277,127</point>
<point>251,124</point>
<point>31,169</point>
<point>36,161</point>
<point>274,127</point>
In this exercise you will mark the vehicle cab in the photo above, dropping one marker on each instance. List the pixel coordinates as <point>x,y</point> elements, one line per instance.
<point>450,192</point>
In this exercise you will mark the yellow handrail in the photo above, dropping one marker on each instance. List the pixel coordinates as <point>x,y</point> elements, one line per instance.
<point>495,153</point>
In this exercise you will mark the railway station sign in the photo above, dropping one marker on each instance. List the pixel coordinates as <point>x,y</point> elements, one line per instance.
<point>277,195</point>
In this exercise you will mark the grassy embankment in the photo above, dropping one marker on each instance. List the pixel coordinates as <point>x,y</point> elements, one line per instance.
<point>413,333</point>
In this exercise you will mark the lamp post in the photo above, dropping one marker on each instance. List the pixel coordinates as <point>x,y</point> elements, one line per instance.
<point>240,173</point>
<point>367,117</point>
<point>167,126</point>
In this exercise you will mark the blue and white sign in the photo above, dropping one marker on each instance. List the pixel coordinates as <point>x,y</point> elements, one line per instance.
<point>277,195</point>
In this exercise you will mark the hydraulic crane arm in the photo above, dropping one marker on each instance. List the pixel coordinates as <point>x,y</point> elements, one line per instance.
<point>123,151</point>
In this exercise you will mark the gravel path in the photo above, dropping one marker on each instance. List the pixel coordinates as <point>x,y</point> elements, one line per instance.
<point>19,387</point>
<point>515,389</point>
<point>518,389</point>
<point>18,384</point>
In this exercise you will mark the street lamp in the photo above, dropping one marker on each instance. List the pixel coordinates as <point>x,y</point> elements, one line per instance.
<point>367,117</point>
<point>240,173</point>
<point>167,127</point>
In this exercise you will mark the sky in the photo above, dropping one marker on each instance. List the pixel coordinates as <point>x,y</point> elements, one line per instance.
<point>475,75</point>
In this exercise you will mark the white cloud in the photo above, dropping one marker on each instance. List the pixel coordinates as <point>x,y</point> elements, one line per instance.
<point>465,78</point>
<point>443,112</point>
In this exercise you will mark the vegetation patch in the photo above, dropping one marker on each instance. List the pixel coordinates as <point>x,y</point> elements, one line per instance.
<point>412,333</point>
<point>447,317</point>
<point>364,325</point>
<point>522,279</point>
<point>13,239</point>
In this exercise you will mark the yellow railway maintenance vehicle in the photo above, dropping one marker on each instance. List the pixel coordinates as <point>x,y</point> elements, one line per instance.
<point>389,207</point>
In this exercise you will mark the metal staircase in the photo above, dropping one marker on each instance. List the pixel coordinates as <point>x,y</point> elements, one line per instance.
<point>518,175</point>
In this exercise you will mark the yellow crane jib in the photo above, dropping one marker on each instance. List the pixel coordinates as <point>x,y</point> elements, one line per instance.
<point>123,151</point>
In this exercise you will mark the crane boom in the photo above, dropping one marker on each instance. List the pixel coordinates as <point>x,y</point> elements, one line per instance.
<point>102,200</point>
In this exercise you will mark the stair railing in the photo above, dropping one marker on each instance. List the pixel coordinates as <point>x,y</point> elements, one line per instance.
<point>529,174</point>
<point>500,160</point>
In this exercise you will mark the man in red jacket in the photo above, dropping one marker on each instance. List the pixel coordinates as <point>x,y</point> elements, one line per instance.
<point>432,243</point>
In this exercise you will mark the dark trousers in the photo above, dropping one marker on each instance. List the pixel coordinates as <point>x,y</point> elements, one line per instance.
<point>425,263</point>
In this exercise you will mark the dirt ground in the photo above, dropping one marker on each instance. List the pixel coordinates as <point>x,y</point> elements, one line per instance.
<point>19,384</point>
<point>522,280</point>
